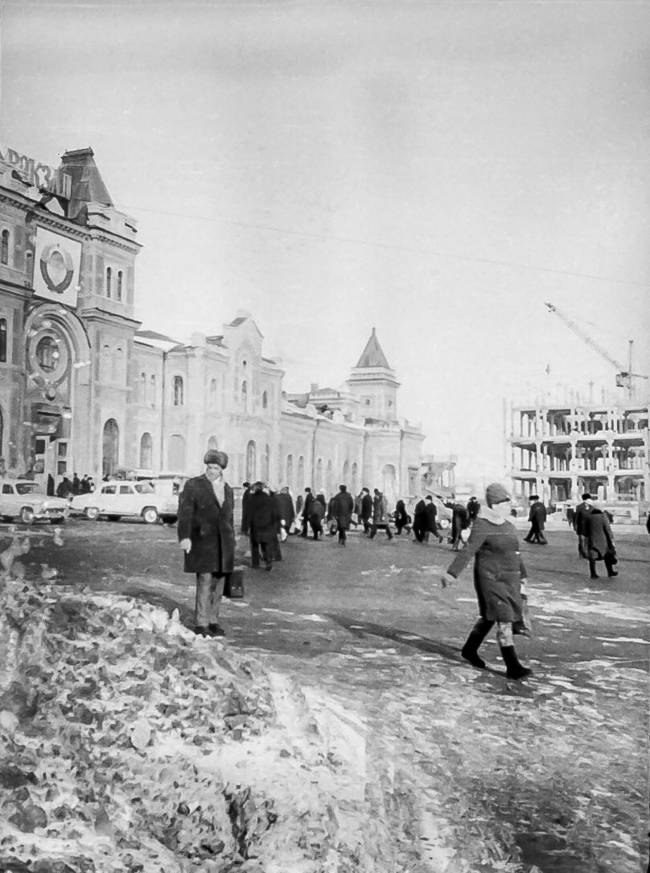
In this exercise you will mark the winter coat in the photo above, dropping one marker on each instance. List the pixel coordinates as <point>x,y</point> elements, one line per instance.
<point>366,507</point>
<point>537,515</point>
<point>316,511</point>
<point>498,569</point>
<point>342,505</point>
<point>306,509</point>
<point>208,525</point>
<point>379,509</point>
<point>581,518</point>
<point>286,512</point>
<point>431,513</point>
<point>261,517</point>
<point>600,540</point>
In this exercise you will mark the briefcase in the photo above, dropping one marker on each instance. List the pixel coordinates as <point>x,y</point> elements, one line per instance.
<point>234,587</point>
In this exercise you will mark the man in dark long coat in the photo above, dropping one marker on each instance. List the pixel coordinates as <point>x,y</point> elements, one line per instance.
<point>600,542</point>
<point>580,523</point>
<point>261,524</point>
<point>341,512</point>
<point>431,512</point>
<point>286,512</point>
<point>306,511</point>
<point>537,519</point>
<point>420,520</point>
<point>366,510</point>
<point>207,536</point>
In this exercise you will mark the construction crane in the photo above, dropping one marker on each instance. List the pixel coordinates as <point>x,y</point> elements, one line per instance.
<point>624,375</point>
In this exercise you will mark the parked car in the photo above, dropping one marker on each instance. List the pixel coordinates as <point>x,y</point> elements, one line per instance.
<point>120,497</point>
<point>27,500</point>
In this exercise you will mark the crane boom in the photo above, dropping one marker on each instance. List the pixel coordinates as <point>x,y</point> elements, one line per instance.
<point>624,376</point>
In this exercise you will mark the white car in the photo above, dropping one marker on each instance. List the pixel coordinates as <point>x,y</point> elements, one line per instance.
<point>26,500</point>
<point>121,497</point>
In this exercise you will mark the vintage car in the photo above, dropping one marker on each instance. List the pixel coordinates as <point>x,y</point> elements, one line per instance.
<point>130,499</point>
<point>27,500</point>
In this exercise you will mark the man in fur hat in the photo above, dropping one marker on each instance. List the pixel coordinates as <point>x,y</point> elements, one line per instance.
<point>207,536</point>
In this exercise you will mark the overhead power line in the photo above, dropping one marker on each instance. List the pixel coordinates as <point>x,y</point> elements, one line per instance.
<point>379,244</point>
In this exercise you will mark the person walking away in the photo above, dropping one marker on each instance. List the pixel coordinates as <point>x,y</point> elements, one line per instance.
<point>261,525</point>
<point>206,534</point>
<point>342,505</point>
<point>600,542</point>
<point>306,511</point>
<point>316,515</point>
<point>537,519</point>
<point>570,515</point>
<point>499,580</point>
<point>459,522</point>
<point>366,510</point>
<point>245,495</point>
<point>379,515</point>
<point>64,488</point>
<point>76,485</point>
<point>431,512</point>
<point>420,520</point>
<point>472,507</point>
<point>50,485</point>
<point>286,512</point>
<point>582,513</point>
<point>402,518</point>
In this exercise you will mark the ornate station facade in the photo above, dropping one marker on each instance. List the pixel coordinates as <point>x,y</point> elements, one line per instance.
<point>84,389</point>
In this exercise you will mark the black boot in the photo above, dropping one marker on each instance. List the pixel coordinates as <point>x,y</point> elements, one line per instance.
<point>474,640</point>
<point>514,670</point>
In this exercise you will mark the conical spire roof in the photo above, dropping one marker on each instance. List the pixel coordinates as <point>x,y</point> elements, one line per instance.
<point>373,355</point>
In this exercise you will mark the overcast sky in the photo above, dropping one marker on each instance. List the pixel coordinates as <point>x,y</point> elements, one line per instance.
<point>435,170</point>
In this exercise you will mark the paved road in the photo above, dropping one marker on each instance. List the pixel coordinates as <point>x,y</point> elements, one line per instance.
<point>557,765</point>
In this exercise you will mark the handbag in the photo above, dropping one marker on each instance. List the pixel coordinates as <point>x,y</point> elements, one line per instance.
<point>234,584</point>
<point>524,626</point>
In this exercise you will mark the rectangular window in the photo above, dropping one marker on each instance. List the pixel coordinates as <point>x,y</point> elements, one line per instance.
<point>3,340</point>
<point>62,449</point>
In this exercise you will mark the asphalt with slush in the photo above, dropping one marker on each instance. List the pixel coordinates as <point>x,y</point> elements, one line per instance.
<point>370,624</point>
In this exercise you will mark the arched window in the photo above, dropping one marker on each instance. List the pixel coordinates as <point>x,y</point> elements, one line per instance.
<point>290,482</point>
<point>176,453</point>
<point>152,388</point>
<point>346,474</point>
<point>266,465</point>
<point>213,444</point>
<point>251,461</point>
<point>119,285</point>
<point>110,447</point>
<point>265,400</point>
<point>319,475</point>
<point>300,484</point>
<point>109,276</point>
<point>213,392</point>
<point>179,398</point>
<point>355,478</point>
<point>146,451</point>
<point>3,340</point>
<point>4,247</point>
<point>330,478</point>
<point>244,396</point>
<point>143,388</point>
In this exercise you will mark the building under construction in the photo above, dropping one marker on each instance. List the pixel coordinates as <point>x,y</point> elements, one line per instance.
<point>559,450</point>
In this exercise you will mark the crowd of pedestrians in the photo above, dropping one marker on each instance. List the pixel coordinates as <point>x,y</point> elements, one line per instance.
<point>481,532</point>
<point>68,488</point>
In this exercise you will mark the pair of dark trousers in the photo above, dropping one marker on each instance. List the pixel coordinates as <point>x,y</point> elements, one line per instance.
<point>209,588</point>
<point>609,564</point>
<point>375,527</point>
<point>341,530</point>
<point>267,553</point>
